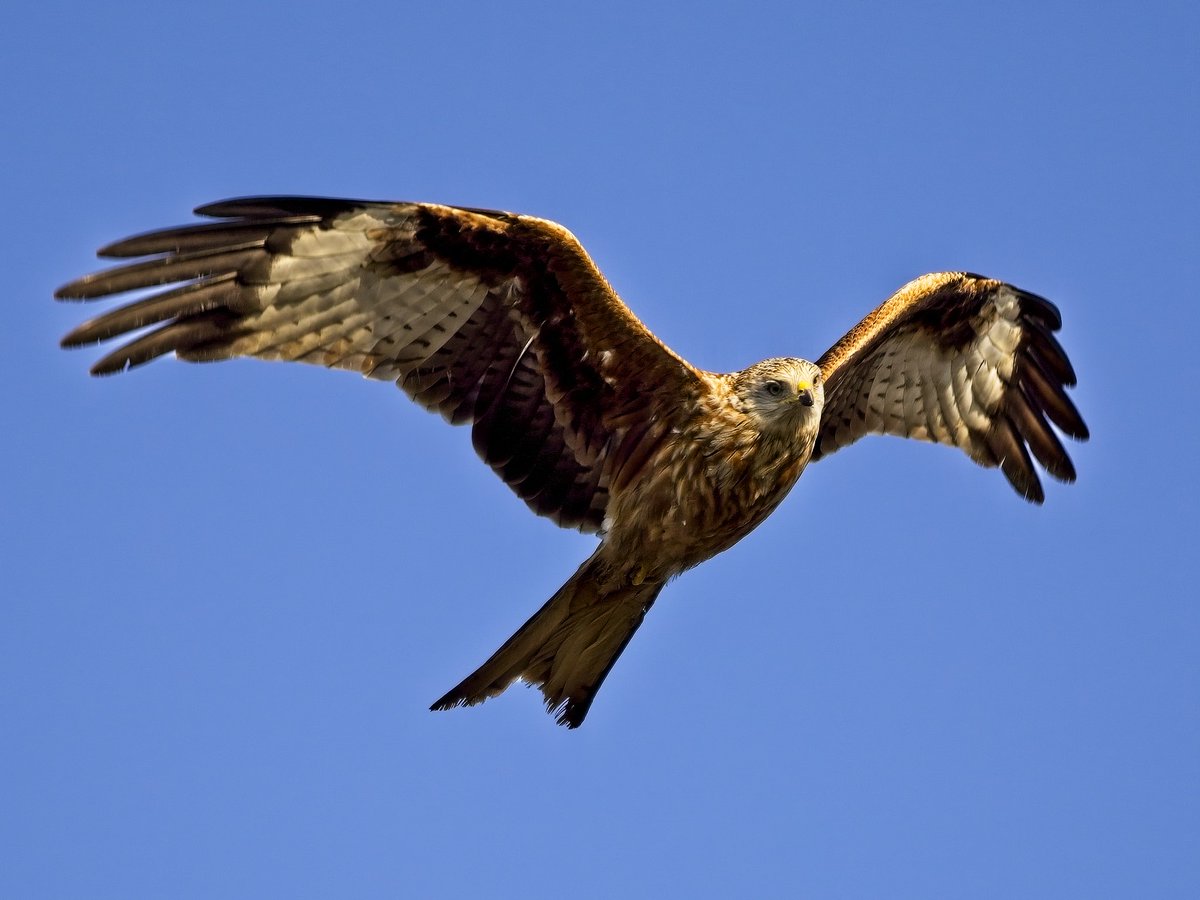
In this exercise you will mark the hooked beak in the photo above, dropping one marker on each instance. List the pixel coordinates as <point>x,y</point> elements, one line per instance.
<point>804,394</point>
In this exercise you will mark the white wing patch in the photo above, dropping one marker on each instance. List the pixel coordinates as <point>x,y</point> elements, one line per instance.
<point>322,302</point>
<point>913,387</point>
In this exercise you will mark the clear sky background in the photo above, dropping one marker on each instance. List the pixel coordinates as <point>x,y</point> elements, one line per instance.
<point>230,592</point>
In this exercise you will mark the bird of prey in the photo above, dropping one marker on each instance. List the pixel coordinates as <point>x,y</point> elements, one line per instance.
<point>504,322</point>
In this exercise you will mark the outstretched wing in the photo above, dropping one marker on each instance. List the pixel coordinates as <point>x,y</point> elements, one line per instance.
<point>961,360</point>
<point>490,318</point>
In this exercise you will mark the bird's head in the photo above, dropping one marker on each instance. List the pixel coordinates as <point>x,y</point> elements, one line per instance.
<point>782,393</point>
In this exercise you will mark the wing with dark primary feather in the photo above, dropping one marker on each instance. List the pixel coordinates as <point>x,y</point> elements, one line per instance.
<point>490,318</point>
<point>961,360</point>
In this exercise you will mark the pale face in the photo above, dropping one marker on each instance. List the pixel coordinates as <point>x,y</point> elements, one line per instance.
<point>784,392</point>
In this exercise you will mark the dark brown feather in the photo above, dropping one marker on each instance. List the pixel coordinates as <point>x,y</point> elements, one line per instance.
<point>177,337</point>
<point>280,207</point>
<point>1013,459</point>
<point>189,300</point>
<point>189,238</point>
<point>1052,399</point>
<point>1036,308</point>
<point>1044,346</point>
<point>1026,415</point>
<point>161,271</point>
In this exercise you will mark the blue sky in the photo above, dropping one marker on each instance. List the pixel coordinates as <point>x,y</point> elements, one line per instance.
<point>232,591</point>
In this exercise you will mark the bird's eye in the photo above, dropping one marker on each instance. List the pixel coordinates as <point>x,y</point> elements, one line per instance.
<point>774,388</point>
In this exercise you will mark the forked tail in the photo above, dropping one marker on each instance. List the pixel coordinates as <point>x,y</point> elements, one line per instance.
<point>566,649</point>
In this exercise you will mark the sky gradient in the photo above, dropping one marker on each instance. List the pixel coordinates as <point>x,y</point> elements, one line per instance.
<point>233,590</point>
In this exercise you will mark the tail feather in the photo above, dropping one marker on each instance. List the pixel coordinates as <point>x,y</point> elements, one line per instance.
<point>567,648</point>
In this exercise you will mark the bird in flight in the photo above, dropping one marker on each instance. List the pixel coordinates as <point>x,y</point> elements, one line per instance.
<point>503,322</point>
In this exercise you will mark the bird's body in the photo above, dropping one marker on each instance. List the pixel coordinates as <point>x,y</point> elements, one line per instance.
<point>729,464</point>
<point>503,321</point>
<point>728,467</point>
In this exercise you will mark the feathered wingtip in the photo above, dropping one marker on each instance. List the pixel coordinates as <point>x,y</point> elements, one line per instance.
<point>208,258</point>
<point>1042,374</point>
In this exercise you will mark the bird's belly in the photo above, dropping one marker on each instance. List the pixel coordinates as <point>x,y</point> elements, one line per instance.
<point>681,516</point>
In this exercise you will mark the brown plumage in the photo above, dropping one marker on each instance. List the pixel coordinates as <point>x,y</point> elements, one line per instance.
<point>504,322</point>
